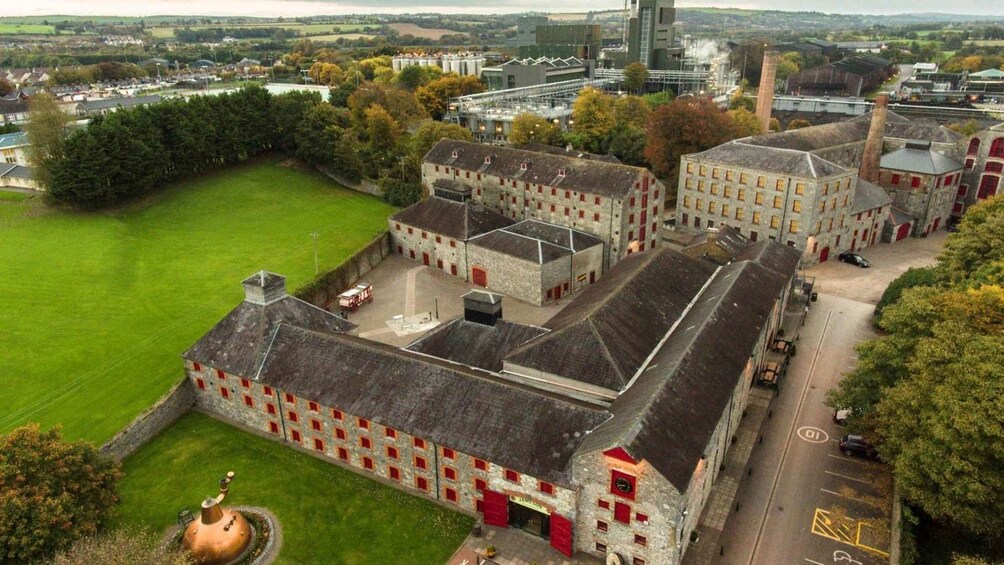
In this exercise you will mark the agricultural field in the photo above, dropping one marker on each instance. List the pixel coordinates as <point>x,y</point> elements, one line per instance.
<point>9,28</point>
<point>97,308</point>
<point>304,29</point>
<point>428,33</point>
<point>345,36</point>
<point>328,514</point>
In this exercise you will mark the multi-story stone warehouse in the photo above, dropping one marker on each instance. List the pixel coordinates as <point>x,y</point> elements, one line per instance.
<point>923,183</point>
<point>984,168</point>
<point>601,431</point>
<point>800,187</point>
<point>617,203</point>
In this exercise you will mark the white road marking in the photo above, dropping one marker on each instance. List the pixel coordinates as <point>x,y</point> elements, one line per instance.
<point>816,562</point>
<point>813,435</point>
<point>843,495</point>
<point>847,459</point>
<point>846,477</point>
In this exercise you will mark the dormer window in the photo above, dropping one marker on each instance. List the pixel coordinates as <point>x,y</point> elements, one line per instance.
<point>454,154</point>
<point>522,166</point>
<point>488,160</point>
<point>561,172</point>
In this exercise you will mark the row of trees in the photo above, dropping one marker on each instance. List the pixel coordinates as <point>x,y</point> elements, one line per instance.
<point>930,389</point>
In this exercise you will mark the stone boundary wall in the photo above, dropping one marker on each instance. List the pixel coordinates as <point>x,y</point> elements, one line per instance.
<point>169,408</point>
<point>364,186</point>
<point>324,291</point>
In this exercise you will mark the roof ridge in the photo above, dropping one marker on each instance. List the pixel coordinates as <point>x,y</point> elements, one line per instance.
<point>606,350</point>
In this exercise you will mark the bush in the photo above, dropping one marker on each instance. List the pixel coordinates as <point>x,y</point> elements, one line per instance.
<point>400,193</point>
<point>914,277</point>
<point>122,547</point>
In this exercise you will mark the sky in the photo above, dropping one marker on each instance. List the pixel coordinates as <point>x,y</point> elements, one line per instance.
<point>291,8</point>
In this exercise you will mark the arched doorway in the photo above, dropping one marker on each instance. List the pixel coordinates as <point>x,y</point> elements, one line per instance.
<point>824,254</point>
<point>904,230</point>
<point>479,277</point>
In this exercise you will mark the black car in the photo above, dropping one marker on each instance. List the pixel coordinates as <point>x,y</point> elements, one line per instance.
<point>857,446</point>
<point>854,259</point>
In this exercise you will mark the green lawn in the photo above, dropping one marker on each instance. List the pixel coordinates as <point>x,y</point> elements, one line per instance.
<point>303,28</point>
<point>25,29</point>
<point>97,308</point>
<point>328,514</point>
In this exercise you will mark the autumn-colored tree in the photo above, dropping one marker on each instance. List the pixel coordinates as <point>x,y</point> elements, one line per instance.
<point>414,76</point>
<point>6,87</point>
<point>684,126</point>
<point>631,111</point>
<point>774,125</point>
<point>593,116</point>
<point>635,75</point>
<point>531,128</point>
<point>739,100</point>
<point>435,96</point>
<point>46,131</point>
<point>431,132</point>
<point>798,123</point>
<point>979,241</point>
<point>746,122</point>
<point>52,492</point>
<point>122,547</point>
<point>967,128</point>
<point>326,73</point>
<point>657,99</point>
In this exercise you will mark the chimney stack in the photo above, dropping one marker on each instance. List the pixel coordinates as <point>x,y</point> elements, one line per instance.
<point>765,96</point>
<point>264,288</point>
<point>872,156</point>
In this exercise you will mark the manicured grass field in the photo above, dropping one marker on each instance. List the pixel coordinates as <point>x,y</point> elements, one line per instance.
<point>328,514</point>
<point>96,309</point>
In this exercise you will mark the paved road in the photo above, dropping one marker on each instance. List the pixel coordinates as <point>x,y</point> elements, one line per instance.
<point>804,501</point>
<point>905,71</point>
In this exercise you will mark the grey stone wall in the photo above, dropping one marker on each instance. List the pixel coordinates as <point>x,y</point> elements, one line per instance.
<point>520,279</point>
<point>364,186</point>
<point>976,163</point>
<point>444,252</point>
<point>868,226</point>
<point>144,427</point>
<point>931,202</point>
<point>324,291</point>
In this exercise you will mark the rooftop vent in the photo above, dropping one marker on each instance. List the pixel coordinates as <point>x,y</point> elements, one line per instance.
<point>522,166</point>
<point>454,153</point>
<point>482,307</point>
<point>264,287</point>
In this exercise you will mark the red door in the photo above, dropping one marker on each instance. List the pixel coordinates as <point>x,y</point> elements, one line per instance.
<point>425,259</point>
<point>904,230</point>
<point>854,242</point>
<point>479,276</point>
<point>824,254</point>
<point>937,222</point>
<point>561,534</point>
<point>497,510</point>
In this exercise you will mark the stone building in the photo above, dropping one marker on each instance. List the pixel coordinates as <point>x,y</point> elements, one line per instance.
<point>870,213</point>
<point>798,187</point>
<point>617,203</point>
<point>922,183</point>
<point>601,431</point>
<point>984,166</point>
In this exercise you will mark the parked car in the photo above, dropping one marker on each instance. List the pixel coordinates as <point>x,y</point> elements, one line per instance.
<point>857,446</point>
<point>840,416</point>
<point>854,259</point>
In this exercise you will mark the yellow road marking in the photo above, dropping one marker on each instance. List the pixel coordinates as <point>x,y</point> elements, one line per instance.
<point>822,525</point>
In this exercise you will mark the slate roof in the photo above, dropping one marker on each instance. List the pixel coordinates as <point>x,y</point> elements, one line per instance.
<point>520,246</point>
<point>613,325</point>
<point>915,160</point>
<point>237,344</point>
<point>720,247</point>
<point>780,259</point>
<point>474,344</point>
<point>456,220</point>
<point>900,217</point>
<point>121,102</point>
<point>814,138</point>
<point>466,409</point>
<point>581,175</point>
<point>8,107</point>
<point>568,152</point>
<point>776,160</point>
<point>572,239</point>
<point>18,172</point>
<point>667,416</point>
<point>869,196</point>
<point>16,139</point>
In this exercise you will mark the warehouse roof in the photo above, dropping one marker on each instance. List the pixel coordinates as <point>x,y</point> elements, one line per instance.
<point>565,172</point>
<point>918,157</point>
<point>869,196</point>
<point>474,344</point>
<point>456,220</point>
<point>797,163</point>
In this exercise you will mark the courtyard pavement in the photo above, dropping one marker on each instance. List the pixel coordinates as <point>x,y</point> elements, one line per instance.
<point>516,547</point>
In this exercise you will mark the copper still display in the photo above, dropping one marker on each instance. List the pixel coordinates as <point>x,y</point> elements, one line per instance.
<point>219,536</point>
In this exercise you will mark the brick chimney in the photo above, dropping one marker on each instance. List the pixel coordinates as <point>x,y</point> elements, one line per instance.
<point>765,96</point>
<point>872,156</point>
<point>264,287</point>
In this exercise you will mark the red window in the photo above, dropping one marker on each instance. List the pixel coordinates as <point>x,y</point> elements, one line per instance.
<point>567,210</point>
<point>419,443</point>
<point>318,444</point>
<point>450,473</point>
<point>480,485</point>
<point>511,476</point>
<point>339,433</point>
<point>601,526</point>
<point>364,442</point>
<point>546,488</point>
<point>449,453</point>
<point>437,168</point>
<point>390,432</point>
<point>224,392</point>
<point>337,414</point>
<point>392,452</point>
<point>641,518</point>
<point>632,202</point>
<point>501,181</point>
<point>622,484</point>
<point>290,399</point>
<point>622,513</point>
<point>451,495</point>
<point>343,454</point>
<point>425,235</point>
<point>248,401</point>
<point>273,427</point>
<point>453,243</point>
<point>316,425</point>
<point>196,366</point>
<point>597,201</point>
<point>552,207</point>
<point>294,417</point>
<point>439,239</point>
<point>596,217</point>
<point>568,194</point>
<point>270,408</point>
<point>637,561</point>
<point>368,463</point>
<point>554,192</point>
<point>997,148</point>
<point>313,406</point>
<point>364,423</point>
<point>221,374</point>
<point>422,483</point>
<point>640,540</point>
<point>602,548</point>
<point>974,146</point>
<point>395,473</point>
<point>296,436</point>
<point>915,182</point>
<point>245,383</point>
<point>895,179</point>
<point>420,463</point>
<point>200,383</point>
<point>604,504</point>
<point>480,465</point>
<point>453,269</point>
<point>397,227</point>
<point>410,231</point>
<point>582,214</point>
